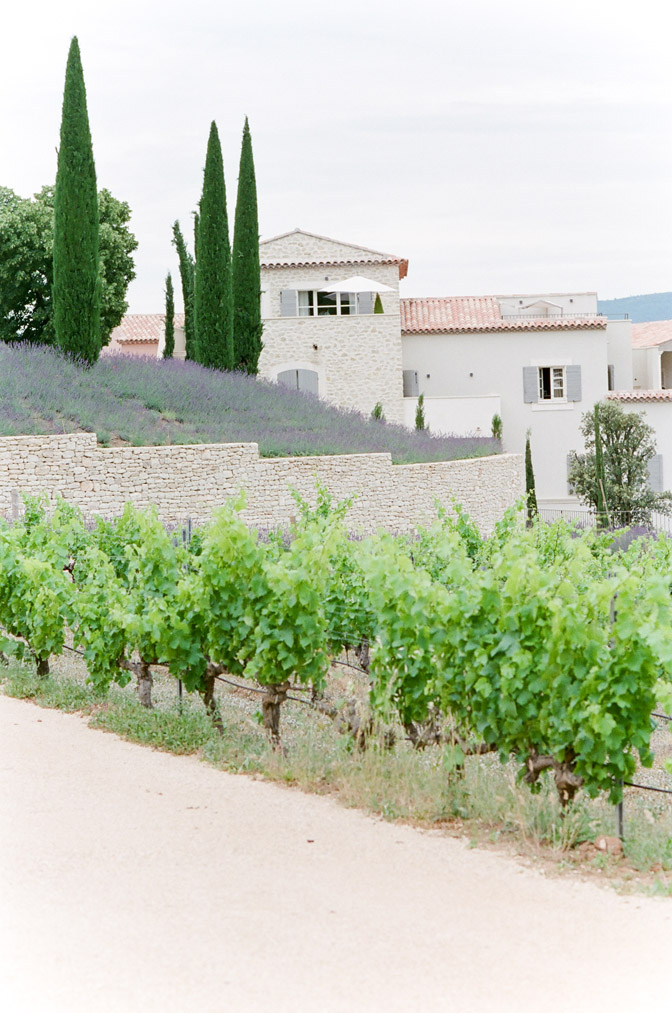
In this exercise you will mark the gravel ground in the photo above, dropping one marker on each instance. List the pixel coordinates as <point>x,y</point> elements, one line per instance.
<point>137,880</point>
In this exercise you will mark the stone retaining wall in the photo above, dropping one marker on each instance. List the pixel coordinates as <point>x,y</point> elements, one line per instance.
<point>190,481</point>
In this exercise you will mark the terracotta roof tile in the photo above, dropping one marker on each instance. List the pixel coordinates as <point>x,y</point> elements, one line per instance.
<point>655,332</point>
<point>142,327</point>
<point>480,313</point>
<point>637,396</point>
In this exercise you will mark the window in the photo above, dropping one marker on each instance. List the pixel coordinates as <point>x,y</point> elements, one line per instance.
<point>325,304</point>
<point>551,383</point>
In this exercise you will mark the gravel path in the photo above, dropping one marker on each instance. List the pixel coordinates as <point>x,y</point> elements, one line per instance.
<point>133,880</point>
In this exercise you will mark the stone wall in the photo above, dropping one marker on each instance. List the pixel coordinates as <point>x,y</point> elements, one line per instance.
<point>357,358</point>
<point>191,481</point>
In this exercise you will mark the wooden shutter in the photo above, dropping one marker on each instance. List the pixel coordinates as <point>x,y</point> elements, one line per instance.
<point>307,380</point>
<point>655,468</point>
<point>573,382</point>
<point>288,302</point>
<point>365,304</point>
<point>411,387</point>
<point>289,378</point>
<point>530,384</point>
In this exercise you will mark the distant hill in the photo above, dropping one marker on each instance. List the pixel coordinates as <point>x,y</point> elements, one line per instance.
<point>640,308</point>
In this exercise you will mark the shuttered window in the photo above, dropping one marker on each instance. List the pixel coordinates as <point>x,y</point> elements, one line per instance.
<point>411,387</point>
<point>299,379</point>
<point>655,468</point>
<point>548,384</point>
<point>311,303</point>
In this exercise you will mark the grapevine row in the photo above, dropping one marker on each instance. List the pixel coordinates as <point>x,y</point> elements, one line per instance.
<point>542,644</point>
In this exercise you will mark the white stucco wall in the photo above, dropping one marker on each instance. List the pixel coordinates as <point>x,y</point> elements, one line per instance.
<point>568,302</point>
<point>659,415</point>
<point>456,416</point>
<point>478,364</point>
<point>619,352</point>
<point>357,358</point>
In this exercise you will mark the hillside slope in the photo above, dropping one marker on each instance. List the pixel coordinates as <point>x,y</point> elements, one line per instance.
<point>137,401</point>
<point>640,308</point>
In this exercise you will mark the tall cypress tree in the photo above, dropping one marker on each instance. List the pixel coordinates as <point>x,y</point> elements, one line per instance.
<point>213,310</point>
<point>187,271</point>
<point>76,289</point>
<point>600,476</point>
<point>246,279</point>
<point>530,490</point>
<point>169,344</point>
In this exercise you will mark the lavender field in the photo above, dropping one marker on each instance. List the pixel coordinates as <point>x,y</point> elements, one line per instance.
<point>143,401</point>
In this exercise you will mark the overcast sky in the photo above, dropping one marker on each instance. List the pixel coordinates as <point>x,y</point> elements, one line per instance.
<point>519,146</point>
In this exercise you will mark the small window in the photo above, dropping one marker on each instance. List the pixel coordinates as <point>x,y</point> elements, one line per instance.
<point>610,378</point>
<point>332,304</point>
<point>551,383</point>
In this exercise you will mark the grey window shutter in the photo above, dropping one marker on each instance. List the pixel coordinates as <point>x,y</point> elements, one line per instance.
<point>288,302</point>
<point>530,384</point>
<point>411,387</point>
<point>307,380</point>
<point>573,380</point>
<point>289,378</point>
<point>655,468</point>
<point>365,302</point>
<point>610,378</point>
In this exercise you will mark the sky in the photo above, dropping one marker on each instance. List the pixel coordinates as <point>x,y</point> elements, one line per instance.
<point>501,147</point>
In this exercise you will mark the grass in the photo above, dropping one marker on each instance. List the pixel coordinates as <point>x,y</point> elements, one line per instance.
<point>143,401</point>
<point>487,805</point>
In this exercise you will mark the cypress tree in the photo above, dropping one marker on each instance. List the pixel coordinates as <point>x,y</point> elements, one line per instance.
<point>187,280</point>
<point>213,310</point>
<point>420,422</point>
<point>169,344</point>
<point>530,490</point>
<point>600,481</point>
<point>77,287</point>
<point>246,279</point>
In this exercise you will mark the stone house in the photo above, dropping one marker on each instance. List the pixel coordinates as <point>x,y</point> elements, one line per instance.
<point>344,346</point>
<point>334,325</point>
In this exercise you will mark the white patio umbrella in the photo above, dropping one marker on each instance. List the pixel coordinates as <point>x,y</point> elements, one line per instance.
<point>357,284</point>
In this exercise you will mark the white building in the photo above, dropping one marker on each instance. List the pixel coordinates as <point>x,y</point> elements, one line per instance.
<point>539,361</point>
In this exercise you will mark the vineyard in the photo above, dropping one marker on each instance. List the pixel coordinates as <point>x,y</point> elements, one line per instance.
<point>544,644</point>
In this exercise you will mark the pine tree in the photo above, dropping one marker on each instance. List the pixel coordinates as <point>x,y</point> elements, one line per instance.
<point>213,309</point>
<point>246,279</point>
<point>76,292</point>
<point>187,271</point>
<point>169,344</point>
<point>530,490</point>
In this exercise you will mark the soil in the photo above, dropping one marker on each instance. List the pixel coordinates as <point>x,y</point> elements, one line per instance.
<point>137,880</point>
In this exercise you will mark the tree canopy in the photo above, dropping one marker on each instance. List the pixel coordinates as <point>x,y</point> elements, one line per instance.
<point>627,446</point>
<point>26,264</point>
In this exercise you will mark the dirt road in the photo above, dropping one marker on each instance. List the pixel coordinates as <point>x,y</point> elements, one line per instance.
<point>137,881</point>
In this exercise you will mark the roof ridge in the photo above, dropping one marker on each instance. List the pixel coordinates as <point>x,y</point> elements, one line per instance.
<point>329,239</point>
